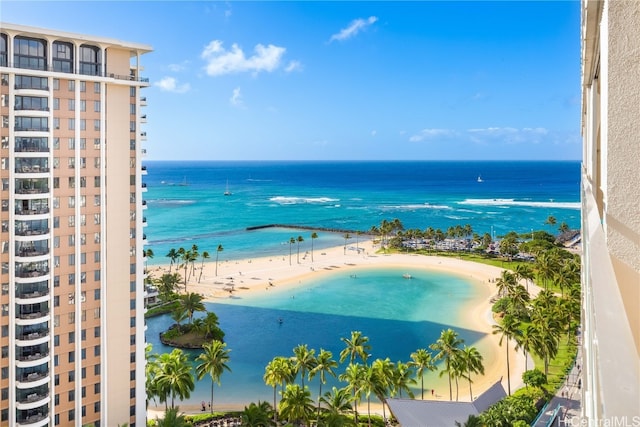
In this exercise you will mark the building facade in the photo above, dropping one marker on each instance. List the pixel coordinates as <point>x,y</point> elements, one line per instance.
<point>611,212</point>
<point>72,300</point>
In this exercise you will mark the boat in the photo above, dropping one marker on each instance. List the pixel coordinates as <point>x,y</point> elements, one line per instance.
<point>407,276</point>
<point>181,184</point>
<point>480,178</point>
<point>226,191</point>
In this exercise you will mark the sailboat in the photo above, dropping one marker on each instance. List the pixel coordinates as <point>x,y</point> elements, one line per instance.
<point>226,191</point>
<point>480,178</point>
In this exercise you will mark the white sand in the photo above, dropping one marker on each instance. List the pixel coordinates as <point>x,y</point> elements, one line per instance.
<point>258,275</point>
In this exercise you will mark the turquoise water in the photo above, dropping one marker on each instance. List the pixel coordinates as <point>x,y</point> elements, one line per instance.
<point>398,315</point>
<point>514,196</point>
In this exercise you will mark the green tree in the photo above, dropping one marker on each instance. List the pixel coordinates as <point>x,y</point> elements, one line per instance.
<point>174,375</point>
<point>299,240</point>
<point>472,421</point>
<point>173,256</point>
<point>303,360</point>
<point>172,418</point>
<point>356,346</point>
<point>508,329</point>
<point>292,240</point>
<point>178,315</point>
<point>205,255</point>
<point>402,379</point>
<point>324,365</point>
<point>447,348</point>
<point>213,361</point>
<point>190,303</point>
<point>278,372</point>
<point>218,250</point>
<point>257,415</point>
<point>534,378</point>
<point>167,285</point>
<point>422,361</point>
<point>524,272</point>
<point>354,376</point>
<point>551,220</point>
<point>346,237</point>
<point>337,403</point>
<point>472,360</point>
<point>314,236</point>
<point>383,371</point>
<point>296,405</point>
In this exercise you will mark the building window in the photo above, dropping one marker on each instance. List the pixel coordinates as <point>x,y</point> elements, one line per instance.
<point>56,103</point>
<point>83,86</point>
<point>96,125</point>
<point>96,106</point>
<point>90,60</point>
<point>62,53</point>
<point>72,376</point>
<point>72,124</point>
<point>72,105</point>
<point>72,85</point>
<point>96,87</point>
<point>29,53</point>
<point>72,395</point>
<point>83,105</point>
<point>96,293</point>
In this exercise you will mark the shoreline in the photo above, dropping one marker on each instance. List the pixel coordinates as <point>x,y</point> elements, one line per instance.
<point>255,276</point>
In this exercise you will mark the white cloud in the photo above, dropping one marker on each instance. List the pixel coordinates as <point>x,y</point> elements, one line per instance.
<point>178,67</point>
<point>221,61</point>
<point>505,135</point>
<point>293,66</point>
<point>354,28</point>
<point>425,134</point>
<point>236,98</point>
<point>170,84</point>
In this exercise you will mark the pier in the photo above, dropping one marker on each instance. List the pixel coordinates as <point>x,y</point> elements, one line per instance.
<point>307,227</point>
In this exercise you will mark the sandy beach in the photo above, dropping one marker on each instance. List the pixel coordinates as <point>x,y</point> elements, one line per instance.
<point>259,275</point>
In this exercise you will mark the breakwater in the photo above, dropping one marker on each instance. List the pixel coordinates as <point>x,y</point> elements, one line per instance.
<point>309,228</point>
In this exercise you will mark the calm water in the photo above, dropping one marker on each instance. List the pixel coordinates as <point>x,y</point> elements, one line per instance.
<point>398,315</point>
<point>186,206</point>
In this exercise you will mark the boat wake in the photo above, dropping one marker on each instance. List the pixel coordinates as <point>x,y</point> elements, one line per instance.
<point>512,202</point>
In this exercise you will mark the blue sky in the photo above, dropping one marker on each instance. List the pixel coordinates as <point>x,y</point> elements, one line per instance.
<point>346,80</point>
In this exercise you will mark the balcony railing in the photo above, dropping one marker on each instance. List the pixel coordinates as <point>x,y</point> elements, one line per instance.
<point>32,419</point>
<point>32,231</point>
<point>32,356</point>
<point>38,211</point>
<point>33,376</point>
<point>30,129</point>
<point>33,336</point>
<point>29,252</point>
<point>32,190</point>
<point>128,77</point>
<point>31,169</point>
<point>32,294</point>
<point>31,148</point>
<point>34,314</point>
<point>32,273</point>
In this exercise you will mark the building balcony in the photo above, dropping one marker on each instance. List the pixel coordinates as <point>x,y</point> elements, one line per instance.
<point>143,118</point>
<point>143,136</point>
<point>143,169</point>
<point>34,211</point>
<point>31,147</point>
<point>31,252</point>
<point>38,419</point>
<point>33,298</point>
<point>32,231</point>
<point>32,169</point>
<point>31,273</point>
<point>40,190</point>
<point>33,357</point>
<point>34,335</point>
<point>34,315</point>
<point>32,379</point>
<point>32,400</point>
<point>143,101</point>
<point>29,292</point>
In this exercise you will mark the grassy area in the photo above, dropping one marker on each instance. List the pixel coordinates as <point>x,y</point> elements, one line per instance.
<point>560,365</point>
<point>162,309</point>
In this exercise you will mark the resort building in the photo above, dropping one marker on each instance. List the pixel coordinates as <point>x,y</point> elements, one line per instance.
<point>72,301</point>
<point>611,212</point>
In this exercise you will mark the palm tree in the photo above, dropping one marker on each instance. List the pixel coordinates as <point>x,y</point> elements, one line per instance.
<point>174,375</point>
<point>167,285</point>
<point>194,257</point>
<point>299,240</point>
<point>337,402</point>
<point>303,360</point>
<point>314,236</point>
<point>178,315</point>
<point>211,328</point>
<point>346,237</point>
<point>191,303</point>
<point>524,272</point>
<point>564,227</point>
<point>422,360</point>
<point>325,364</point>
<point>296,404</point>
<point>291,242</point>
<point>505,283</point>
<point>402,379</point>
<point>508,329</point>
<point>257,415</point>
<point>447,347</point>
<point>472,421</point>
<point>205,255</point>
<point>174,256</point>
<point>528,340</point>
<point>278,372</point>
<point>551,220</point>
<point>382,380</point>
<point>354,377</point>
<point>213,361</point>
<point>218,250</point>
<point>471,359</point>
<point>357,345</point>
<point>172,418</point>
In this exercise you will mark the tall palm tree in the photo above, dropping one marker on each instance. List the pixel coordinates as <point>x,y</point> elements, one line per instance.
<point>194,257</point>
<point>505,283</point>
<point>174,256</point>
<point>524,272</point>
<point>167,285</point>
<point>172,418</point>
<point>299,240</point>
<point>508,329</point>
<point>178,315</point>
<point>551,220</point>
<point>278,372</point>
<point>205,255</point>
<point>213,361</point>
<point>314,236</point>
<point>422,360</point>
<point>447,347</point>
<point>528,340</point>
<point>471,359</point>
<point>291,242</point>
<point>303,360</point>
<point>346,237</point>
<point>325,364</point>
<point>191,303</point>
<point>402,379</point>
<point>472,421</point>
<point>354,377</point>
<point>382,380</point>
<point>296,405</point>
<point>174,375</point>
<point>218,250</point>
<point>356,346</point>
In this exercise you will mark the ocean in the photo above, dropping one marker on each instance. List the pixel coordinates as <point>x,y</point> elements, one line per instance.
<point>187,205</point>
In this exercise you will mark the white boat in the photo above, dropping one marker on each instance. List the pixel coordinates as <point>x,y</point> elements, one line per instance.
<point>226,191</point>
<point>480,178</point>
<point>407,276</point>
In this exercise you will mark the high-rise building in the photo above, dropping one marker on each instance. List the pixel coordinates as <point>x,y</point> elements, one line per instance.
<point>72,301</point>
<point>611,212</point>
